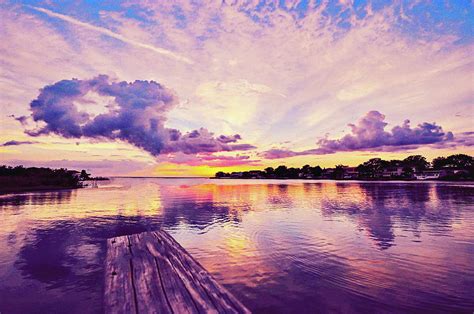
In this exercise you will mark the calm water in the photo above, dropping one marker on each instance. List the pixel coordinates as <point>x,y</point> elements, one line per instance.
<point>279,246</point>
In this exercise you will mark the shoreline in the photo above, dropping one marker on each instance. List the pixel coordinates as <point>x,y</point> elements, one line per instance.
<point>46,188</point>
<point>18,190</point>
<point>355,180</point>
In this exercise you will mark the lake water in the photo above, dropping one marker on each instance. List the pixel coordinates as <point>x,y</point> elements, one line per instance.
<point>278,246</point>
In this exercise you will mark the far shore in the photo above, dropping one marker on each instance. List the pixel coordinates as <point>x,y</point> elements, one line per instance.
<point>352,180</point>
<point>20,179</point>
<point>43,188</point>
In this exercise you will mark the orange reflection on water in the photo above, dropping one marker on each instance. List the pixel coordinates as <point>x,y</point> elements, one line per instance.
<point>282,244</point>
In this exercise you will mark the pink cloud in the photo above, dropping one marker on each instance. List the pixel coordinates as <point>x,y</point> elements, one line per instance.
<point>138,117</point>
<point>209,160</point>
<point>329,77</point>
<point>369,134</point>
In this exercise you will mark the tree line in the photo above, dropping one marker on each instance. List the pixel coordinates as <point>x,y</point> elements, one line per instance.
<point>458,166</point>
<point>22,178</point>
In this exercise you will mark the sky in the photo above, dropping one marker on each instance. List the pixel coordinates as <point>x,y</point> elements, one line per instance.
<point>188,88</point>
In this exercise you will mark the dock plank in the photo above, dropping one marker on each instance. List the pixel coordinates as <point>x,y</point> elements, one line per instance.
<point>223,300</point>
<point>152,273</point>
<point>119,291</point>
<point>179,297</point>
<point>149,290</point>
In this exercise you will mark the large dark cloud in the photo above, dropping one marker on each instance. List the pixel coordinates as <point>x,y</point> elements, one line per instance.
<point>369,134</point>
<point>137,117</point>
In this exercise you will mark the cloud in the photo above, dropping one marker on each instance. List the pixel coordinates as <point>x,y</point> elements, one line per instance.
<point>105,31</point>
<point>16,143</point>
<point>137,116</point>
<point>369,134</point>
<point>229,139</point>
<point>276,153</point>
<point>202,141</point>
<point>209,160</point>
<point>465,139</point>
<point>332,70</point>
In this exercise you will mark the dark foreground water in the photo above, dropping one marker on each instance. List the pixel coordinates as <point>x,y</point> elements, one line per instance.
<point>279,246</point>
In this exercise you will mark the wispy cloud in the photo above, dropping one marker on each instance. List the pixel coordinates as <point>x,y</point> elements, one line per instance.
<point>209,160</point>
<point>17,143</point>
<point>333,62</point>
<point>105,31</point>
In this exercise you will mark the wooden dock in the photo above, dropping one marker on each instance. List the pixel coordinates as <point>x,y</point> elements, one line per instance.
<point>151,273</point>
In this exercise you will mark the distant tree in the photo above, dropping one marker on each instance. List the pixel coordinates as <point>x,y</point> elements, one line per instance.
<point>269,171</point>
<point>339,172</point>
<point>439,162</point>
<point>316,171</point>
<point>84,175</point>
<point>372,168</point>
<point>395,163</point>
<point>407,172</point>
<point>417,161</point>
<point>220,174</point>
<point>460,161</point>
<point>293,172</point>
<point>281,171</point>
<point>20,178</point>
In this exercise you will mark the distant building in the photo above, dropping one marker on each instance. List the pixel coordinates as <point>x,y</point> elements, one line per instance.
<point>392,172</point>
<point>350,173</point>
<point>429,174</point>
<point>328,173</point>
<point>450,171</point>
<point>256,174</point>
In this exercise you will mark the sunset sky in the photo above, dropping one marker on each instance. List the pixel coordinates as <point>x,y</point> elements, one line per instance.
<point>187,88</point>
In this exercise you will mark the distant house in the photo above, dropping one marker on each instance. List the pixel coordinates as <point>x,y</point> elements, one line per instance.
<point>306,175</point>
<point>350,173</point>
<point>328,173</point>
<point>392,172</point>
<point>256,174</point>
<point>450,171</point>
<point>429,174</point>
<point>236,174</point>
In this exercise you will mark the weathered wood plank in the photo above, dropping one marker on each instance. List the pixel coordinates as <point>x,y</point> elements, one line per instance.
<point>152,273</point>
<point>224,301</point>
<point>178,296</point>
<point>200,297</point>
<point>119,291</point>
<point>150,294</point>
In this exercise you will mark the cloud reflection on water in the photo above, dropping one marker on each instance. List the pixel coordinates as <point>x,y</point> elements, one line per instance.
<point>284,245</point>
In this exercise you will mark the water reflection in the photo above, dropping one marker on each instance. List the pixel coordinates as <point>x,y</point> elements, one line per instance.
<point>280,246</point>
<point>54,197</point>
